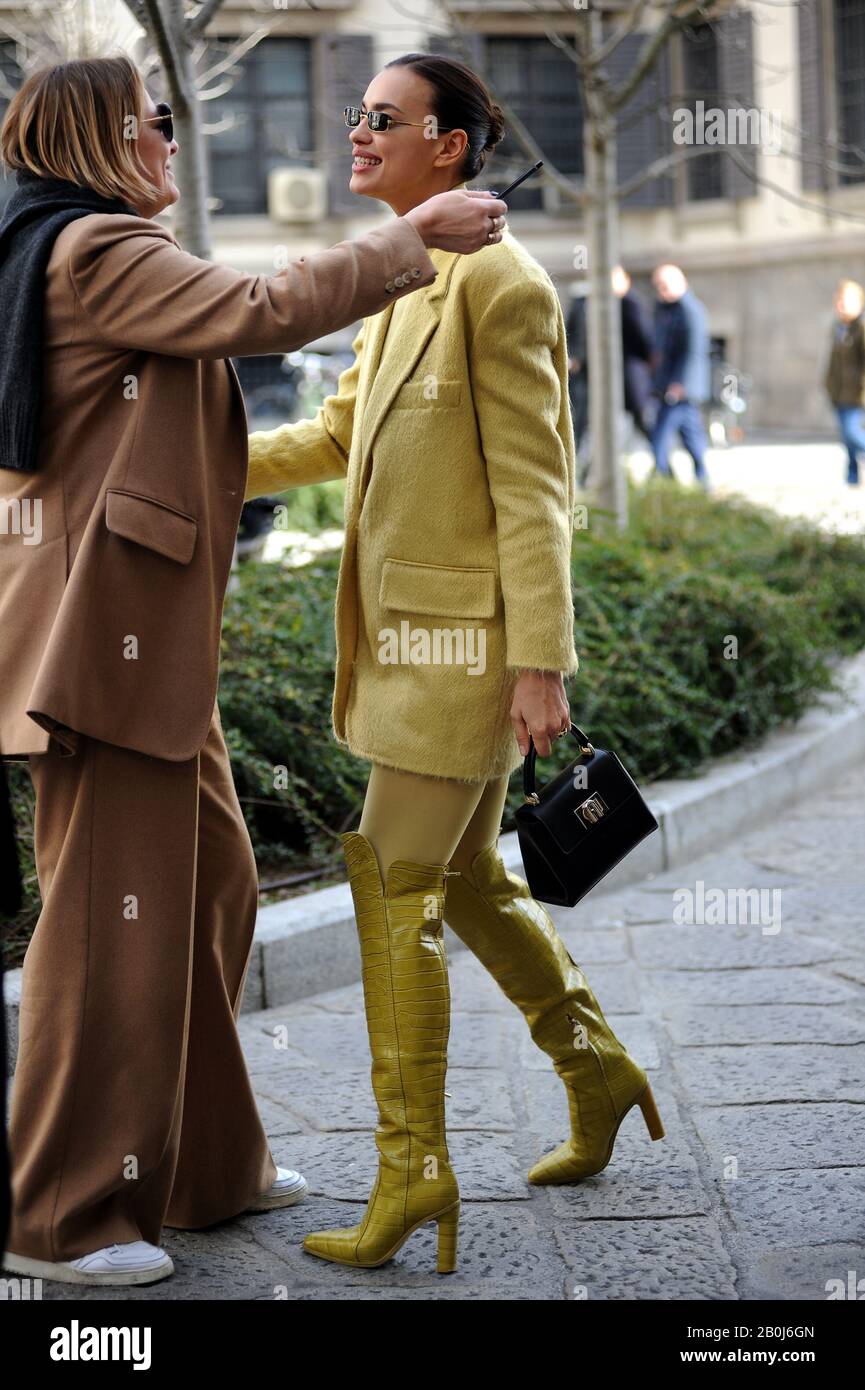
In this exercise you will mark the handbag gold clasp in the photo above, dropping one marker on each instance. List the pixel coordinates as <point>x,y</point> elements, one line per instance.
<point>591,810</point>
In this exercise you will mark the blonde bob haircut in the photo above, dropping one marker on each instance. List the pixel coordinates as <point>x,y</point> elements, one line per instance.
<point>79,121</point>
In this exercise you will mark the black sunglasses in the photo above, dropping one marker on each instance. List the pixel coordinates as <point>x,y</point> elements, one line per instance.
<point>379,120</point>
<point>164,121</point>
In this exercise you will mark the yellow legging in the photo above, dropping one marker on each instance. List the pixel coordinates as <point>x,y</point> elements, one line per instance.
<point>430,820</point>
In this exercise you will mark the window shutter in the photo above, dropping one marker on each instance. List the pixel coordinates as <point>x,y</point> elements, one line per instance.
<point>466,48</point>
<point>347,68</point>
<point>736,74</point>
<point>812,104</point>
<point>643,123</point>
<point>13,78</point>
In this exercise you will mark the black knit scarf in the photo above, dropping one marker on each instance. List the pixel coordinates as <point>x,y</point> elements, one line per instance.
<point>37,210</point>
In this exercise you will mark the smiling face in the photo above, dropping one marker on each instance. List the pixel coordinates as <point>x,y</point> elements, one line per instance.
<point>403,166</point>
<point>155,153</point>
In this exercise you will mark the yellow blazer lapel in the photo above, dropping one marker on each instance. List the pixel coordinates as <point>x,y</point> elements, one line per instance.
<point>421,317</point>
<point>378,328</point>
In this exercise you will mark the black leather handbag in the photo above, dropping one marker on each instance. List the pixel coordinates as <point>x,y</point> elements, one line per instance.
<point>578,827</point>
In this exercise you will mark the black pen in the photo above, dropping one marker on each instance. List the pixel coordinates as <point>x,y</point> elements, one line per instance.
<point>516,183</point>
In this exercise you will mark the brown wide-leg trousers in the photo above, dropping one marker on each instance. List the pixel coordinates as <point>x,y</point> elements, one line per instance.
<point>132,1108</point>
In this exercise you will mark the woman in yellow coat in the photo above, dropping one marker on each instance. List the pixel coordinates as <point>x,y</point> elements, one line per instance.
<point>454,624</point>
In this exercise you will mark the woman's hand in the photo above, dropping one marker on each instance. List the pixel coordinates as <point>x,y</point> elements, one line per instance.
<point>540,708</point>
<point>460,220</point>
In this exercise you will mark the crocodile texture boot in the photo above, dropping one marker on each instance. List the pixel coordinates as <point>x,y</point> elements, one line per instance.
<point>407,1001</point>
<point>514,937</point>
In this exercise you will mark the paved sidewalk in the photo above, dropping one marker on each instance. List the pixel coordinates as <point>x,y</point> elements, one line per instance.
<point>753,1034</point>
<point>794,477</point>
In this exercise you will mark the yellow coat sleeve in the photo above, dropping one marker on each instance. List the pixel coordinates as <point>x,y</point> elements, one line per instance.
<point>519,384</point>
<point>308,451</point>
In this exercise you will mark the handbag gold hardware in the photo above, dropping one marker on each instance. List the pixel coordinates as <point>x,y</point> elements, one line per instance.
<point>591,810</point>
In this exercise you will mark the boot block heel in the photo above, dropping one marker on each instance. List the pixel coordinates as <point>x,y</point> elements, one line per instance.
<point>448,1228</point>
<point>646,1102</point>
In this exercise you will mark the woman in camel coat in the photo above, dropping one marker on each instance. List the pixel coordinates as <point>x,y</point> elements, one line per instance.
<point>123,453</point>
<point>454,624</point>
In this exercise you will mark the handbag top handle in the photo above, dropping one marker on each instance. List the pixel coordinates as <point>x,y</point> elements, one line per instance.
<point>529,762</point>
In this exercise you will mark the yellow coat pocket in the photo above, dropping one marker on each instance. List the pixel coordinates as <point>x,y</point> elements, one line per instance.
<point>437,589</point>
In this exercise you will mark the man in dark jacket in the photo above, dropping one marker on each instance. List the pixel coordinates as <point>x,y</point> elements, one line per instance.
<point>576,330</point>
<point>682,376</point>
<point>636,350</point>
<point>636,354</point>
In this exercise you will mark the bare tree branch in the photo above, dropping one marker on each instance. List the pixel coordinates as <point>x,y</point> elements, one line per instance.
<point>619,35</point>
<point>219,127</point>
<point>235,53</point>
<point>786,194</point>
<point>164,43</point>
<point>663,165</point>
<point>200,21</point>
<point>138,11</point>
<point>671,24</point>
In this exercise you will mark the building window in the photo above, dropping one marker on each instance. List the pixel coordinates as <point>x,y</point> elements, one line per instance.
<point>704,174</point>
<point>540,84</point>
<point>268,112</point>
<point>11,80</point>
<point>850,87</point>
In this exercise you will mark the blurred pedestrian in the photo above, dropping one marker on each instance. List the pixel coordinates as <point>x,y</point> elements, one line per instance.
<point>636,350</point>
<point>682,377</point>
<point>636,355</point>
<point>576,332</point>
<point>845,374</point>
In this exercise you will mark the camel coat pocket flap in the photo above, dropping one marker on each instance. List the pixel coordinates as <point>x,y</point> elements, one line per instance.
<point>151,523</point>
<point>438,589</point>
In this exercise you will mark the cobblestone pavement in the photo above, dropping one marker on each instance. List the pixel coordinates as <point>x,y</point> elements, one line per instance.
<point>752,1030</point>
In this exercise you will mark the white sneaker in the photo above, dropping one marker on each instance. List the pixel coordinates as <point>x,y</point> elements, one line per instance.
<point>289,1187</point>
<point>135,1262</point>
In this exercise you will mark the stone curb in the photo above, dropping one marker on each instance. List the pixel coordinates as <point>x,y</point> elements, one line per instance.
<point>309,944</point>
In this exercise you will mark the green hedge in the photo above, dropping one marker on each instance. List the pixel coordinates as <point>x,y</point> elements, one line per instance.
<point>654,610</point>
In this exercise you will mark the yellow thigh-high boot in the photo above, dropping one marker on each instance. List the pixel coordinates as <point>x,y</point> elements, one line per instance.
<point>514,937</point>
<point>407,1001</point>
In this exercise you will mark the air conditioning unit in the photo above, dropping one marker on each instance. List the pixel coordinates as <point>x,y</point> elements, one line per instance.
<point>296,195</point>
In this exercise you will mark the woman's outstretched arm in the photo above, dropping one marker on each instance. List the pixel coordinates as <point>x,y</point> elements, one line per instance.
<point>136,289</point>
<point>307,451</point>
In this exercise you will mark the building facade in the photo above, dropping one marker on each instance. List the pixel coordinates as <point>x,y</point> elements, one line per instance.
<point>754,125</point>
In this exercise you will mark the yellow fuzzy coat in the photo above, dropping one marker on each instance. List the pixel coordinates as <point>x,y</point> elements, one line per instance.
<point>456,443</point>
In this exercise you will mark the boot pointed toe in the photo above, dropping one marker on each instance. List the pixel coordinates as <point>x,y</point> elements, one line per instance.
<point>563,1164</point>
<point>338,1245</point>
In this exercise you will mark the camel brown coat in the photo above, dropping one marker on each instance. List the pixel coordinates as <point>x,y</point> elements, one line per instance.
<point>110,618</point>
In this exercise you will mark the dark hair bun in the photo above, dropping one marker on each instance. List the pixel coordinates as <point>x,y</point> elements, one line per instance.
<point>497,126</point>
